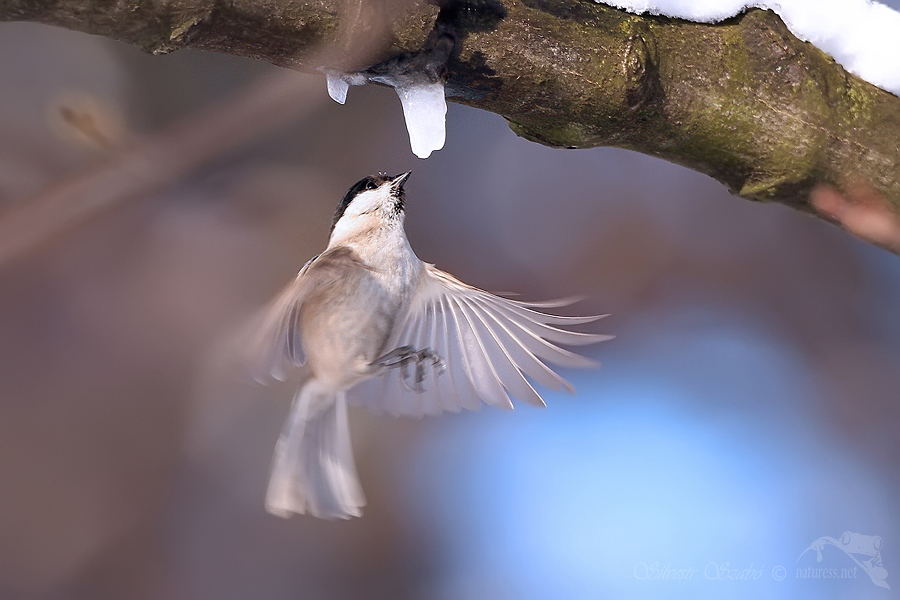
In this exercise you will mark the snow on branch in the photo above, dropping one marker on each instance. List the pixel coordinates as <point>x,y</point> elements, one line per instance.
<point>861,35</point>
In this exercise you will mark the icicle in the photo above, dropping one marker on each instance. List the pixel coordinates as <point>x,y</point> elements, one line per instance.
<point>338,83</point>
<point>425,111</point>
<point>337,87</point>
<point>423,102</point>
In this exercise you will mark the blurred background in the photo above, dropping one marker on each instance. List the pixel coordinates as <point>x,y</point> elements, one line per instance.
<point>747,408</point>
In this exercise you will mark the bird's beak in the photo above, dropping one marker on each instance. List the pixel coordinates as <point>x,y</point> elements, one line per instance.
<point>398,181</point>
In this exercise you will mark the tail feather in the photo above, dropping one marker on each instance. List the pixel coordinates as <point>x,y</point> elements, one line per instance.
<point>313,470</point>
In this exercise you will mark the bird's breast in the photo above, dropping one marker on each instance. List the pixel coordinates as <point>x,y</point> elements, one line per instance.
<point>350,320</point>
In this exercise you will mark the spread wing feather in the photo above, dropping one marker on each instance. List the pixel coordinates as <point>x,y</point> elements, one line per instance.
<point>492,348</point>
<point>274,344</point>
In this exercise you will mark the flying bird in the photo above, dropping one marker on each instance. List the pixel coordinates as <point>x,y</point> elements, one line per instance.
<point>378,327</point>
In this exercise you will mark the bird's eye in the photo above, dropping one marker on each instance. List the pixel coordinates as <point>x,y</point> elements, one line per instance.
<point>371,185</point>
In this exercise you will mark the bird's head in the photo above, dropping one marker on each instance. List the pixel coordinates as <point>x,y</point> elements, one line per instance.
<point>370,202</point>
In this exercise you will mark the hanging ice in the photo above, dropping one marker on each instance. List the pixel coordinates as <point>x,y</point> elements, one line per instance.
<point>337,87</point>
<point>425,111</point>
<point>423,102</point>
<point>338,83</point>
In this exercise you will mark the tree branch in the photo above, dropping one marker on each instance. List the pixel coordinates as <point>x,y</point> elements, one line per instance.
<point>744,101</point>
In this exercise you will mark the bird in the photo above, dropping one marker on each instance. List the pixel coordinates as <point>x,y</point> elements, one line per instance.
<point>378,327</point>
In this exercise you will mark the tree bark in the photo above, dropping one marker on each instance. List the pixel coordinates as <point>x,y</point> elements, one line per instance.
<point>743,101</point>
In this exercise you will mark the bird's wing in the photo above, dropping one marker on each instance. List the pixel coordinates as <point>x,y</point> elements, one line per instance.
<point>274,339</point>
<point>492,348</point>
<point>274,344</point>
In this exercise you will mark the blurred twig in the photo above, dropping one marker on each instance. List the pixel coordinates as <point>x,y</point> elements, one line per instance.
<point>862,211</point>
<point>170,155</point>
<point>159,161</point>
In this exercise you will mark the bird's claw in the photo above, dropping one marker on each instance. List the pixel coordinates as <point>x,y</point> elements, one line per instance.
<point>402,357</point>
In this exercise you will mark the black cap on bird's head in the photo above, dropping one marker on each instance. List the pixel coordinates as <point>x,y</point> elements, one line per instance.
<point>373,183</point>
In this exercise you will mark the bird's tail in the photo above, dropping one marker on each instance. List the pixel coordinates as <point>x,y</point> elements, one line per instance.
<point>313,470</point>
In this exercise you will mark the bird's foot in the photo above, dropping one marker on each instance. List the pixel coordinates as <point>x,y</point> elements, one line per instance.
<point>402,357</point>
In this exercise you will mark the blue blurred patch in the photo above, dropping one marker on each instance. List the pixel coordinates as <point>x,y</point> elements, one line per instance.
<point>691,471</point>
